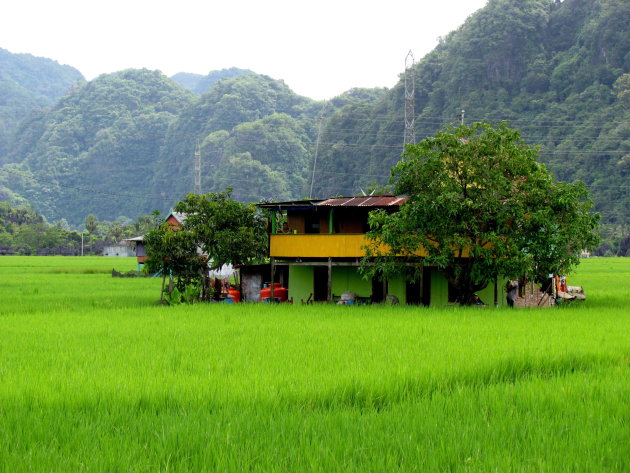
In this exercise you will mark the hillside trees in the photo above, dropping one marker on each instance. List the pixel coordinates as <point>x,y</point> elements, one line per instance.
<point>251,114</point>
<point>24,231</point>
<point>200,84</point>
<point>252,179</point>
<point>479,207</point>
<point>99,140</point>
<point>277,145</point>
<point>548,67</point>
<point>28,83</point>
<point>125,145</point>
<point>359,143</point>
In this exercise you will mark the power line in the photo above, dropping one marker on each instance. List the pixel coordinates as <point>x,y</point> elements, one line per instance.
<point>410,93</point>
<point>428,121</point>
<point>319,133</point>
<point>197,184</point>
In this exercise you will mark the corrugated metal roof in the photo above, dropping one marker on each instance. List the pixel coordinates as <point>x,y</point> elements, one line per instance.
<point>293,204</point>
<point>180,217</point>
<point>365,201</point>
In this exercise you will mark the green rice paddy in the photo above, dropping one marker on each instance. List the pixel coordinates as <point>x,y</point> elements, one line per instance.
<point>95,377</point>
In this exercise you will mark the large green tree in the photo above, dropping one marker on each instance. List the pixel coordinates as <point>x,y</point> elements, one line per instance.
<point>216,231</point>
<point>480,206</point>
<point>174,254</point>
<point>226,231</point>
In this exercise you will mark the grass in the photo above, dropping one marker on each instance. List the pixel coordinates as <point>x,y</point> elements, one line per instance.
<point>95,377</point>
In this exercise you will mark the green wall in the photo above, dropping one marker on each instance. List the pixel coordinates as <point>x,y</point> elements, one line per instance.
<point>300,283</point>
<point>348,279</point>
<point>439,291</point>
<point>398,287</point>
<point>344,279</point>
<point>487,294</point>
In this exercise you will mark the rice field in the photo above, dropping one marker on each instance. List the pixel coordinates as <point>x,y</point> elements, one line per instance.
<point>95,377</point>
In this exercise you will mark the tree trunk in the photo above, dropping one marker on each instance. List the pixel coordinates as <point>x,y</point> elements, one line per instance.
<point>162,290</point>
<point>459,276</point>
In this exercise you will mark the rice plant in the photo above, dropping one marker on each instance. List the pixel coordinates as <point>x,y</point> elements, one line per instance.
<point>94,376</point>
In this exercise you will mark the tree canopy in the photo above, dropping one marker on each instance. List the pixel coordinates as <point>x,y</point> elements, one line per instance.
<point>215,231</point>
<point>26,84</point>
<point>24,231</point>
<point>226,231</point>
<point>479,206</point>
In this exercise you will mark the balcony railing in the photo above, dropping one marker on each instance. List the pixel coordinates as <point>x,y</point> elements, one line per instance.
<point>317,245</point>
<point>325,245</point>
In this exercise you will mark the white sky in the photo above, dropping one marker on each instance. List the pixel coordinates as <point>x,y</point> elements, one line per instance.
<point>320,49</point>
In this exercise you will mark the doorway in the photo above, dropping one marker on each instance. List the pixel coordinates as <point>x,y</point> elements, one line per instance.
<point>320,283</point>
<point>379,289</point>
<point>413,292</point>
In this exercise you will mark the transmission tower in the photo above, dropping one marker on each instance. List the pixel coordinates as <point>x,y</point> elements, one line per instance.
<point>197,189</point>
<point>410,92</point>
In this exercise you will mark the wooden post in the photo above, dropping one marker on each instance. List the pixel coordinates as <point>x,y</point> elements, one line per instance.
<point>330,222</point>
<point>329,284</point>
<point>273,277</point>
<point>422,301</point>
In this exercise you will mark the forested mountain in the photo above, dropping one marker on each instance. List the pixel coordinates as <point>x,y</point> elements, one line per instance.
<point>255,135</point>
<point>199,84</point>
<point>556,70</point>
<point>95,151</point>
<point>27,83</point>
<point>124,144</point>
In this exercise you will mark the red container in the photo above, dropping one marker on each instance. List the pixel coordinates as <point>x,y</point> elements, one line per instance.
<point>234,295</point>
<point>280,294</point>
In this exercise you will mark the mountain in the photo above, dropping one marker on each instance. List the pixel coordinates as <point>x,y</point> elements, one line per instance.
<point>28,83</point>
<point>255,135</point>
<point>199,84</point>
<point>95,150</point>
<point>124,144</point>
<point>558,71</point>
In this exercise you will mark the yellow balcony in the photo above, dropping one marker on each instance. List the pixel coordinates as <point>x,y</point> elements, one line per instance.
<point>319,245</point>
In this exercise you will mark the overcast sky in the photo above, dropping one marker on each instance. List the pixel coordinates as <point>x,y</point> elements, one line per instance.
<point>319,48</point>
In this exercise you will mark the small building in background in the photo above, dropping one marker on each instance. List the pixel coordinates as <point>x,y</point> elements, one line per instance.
<point>136,244</point>
<point>123,249</point>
